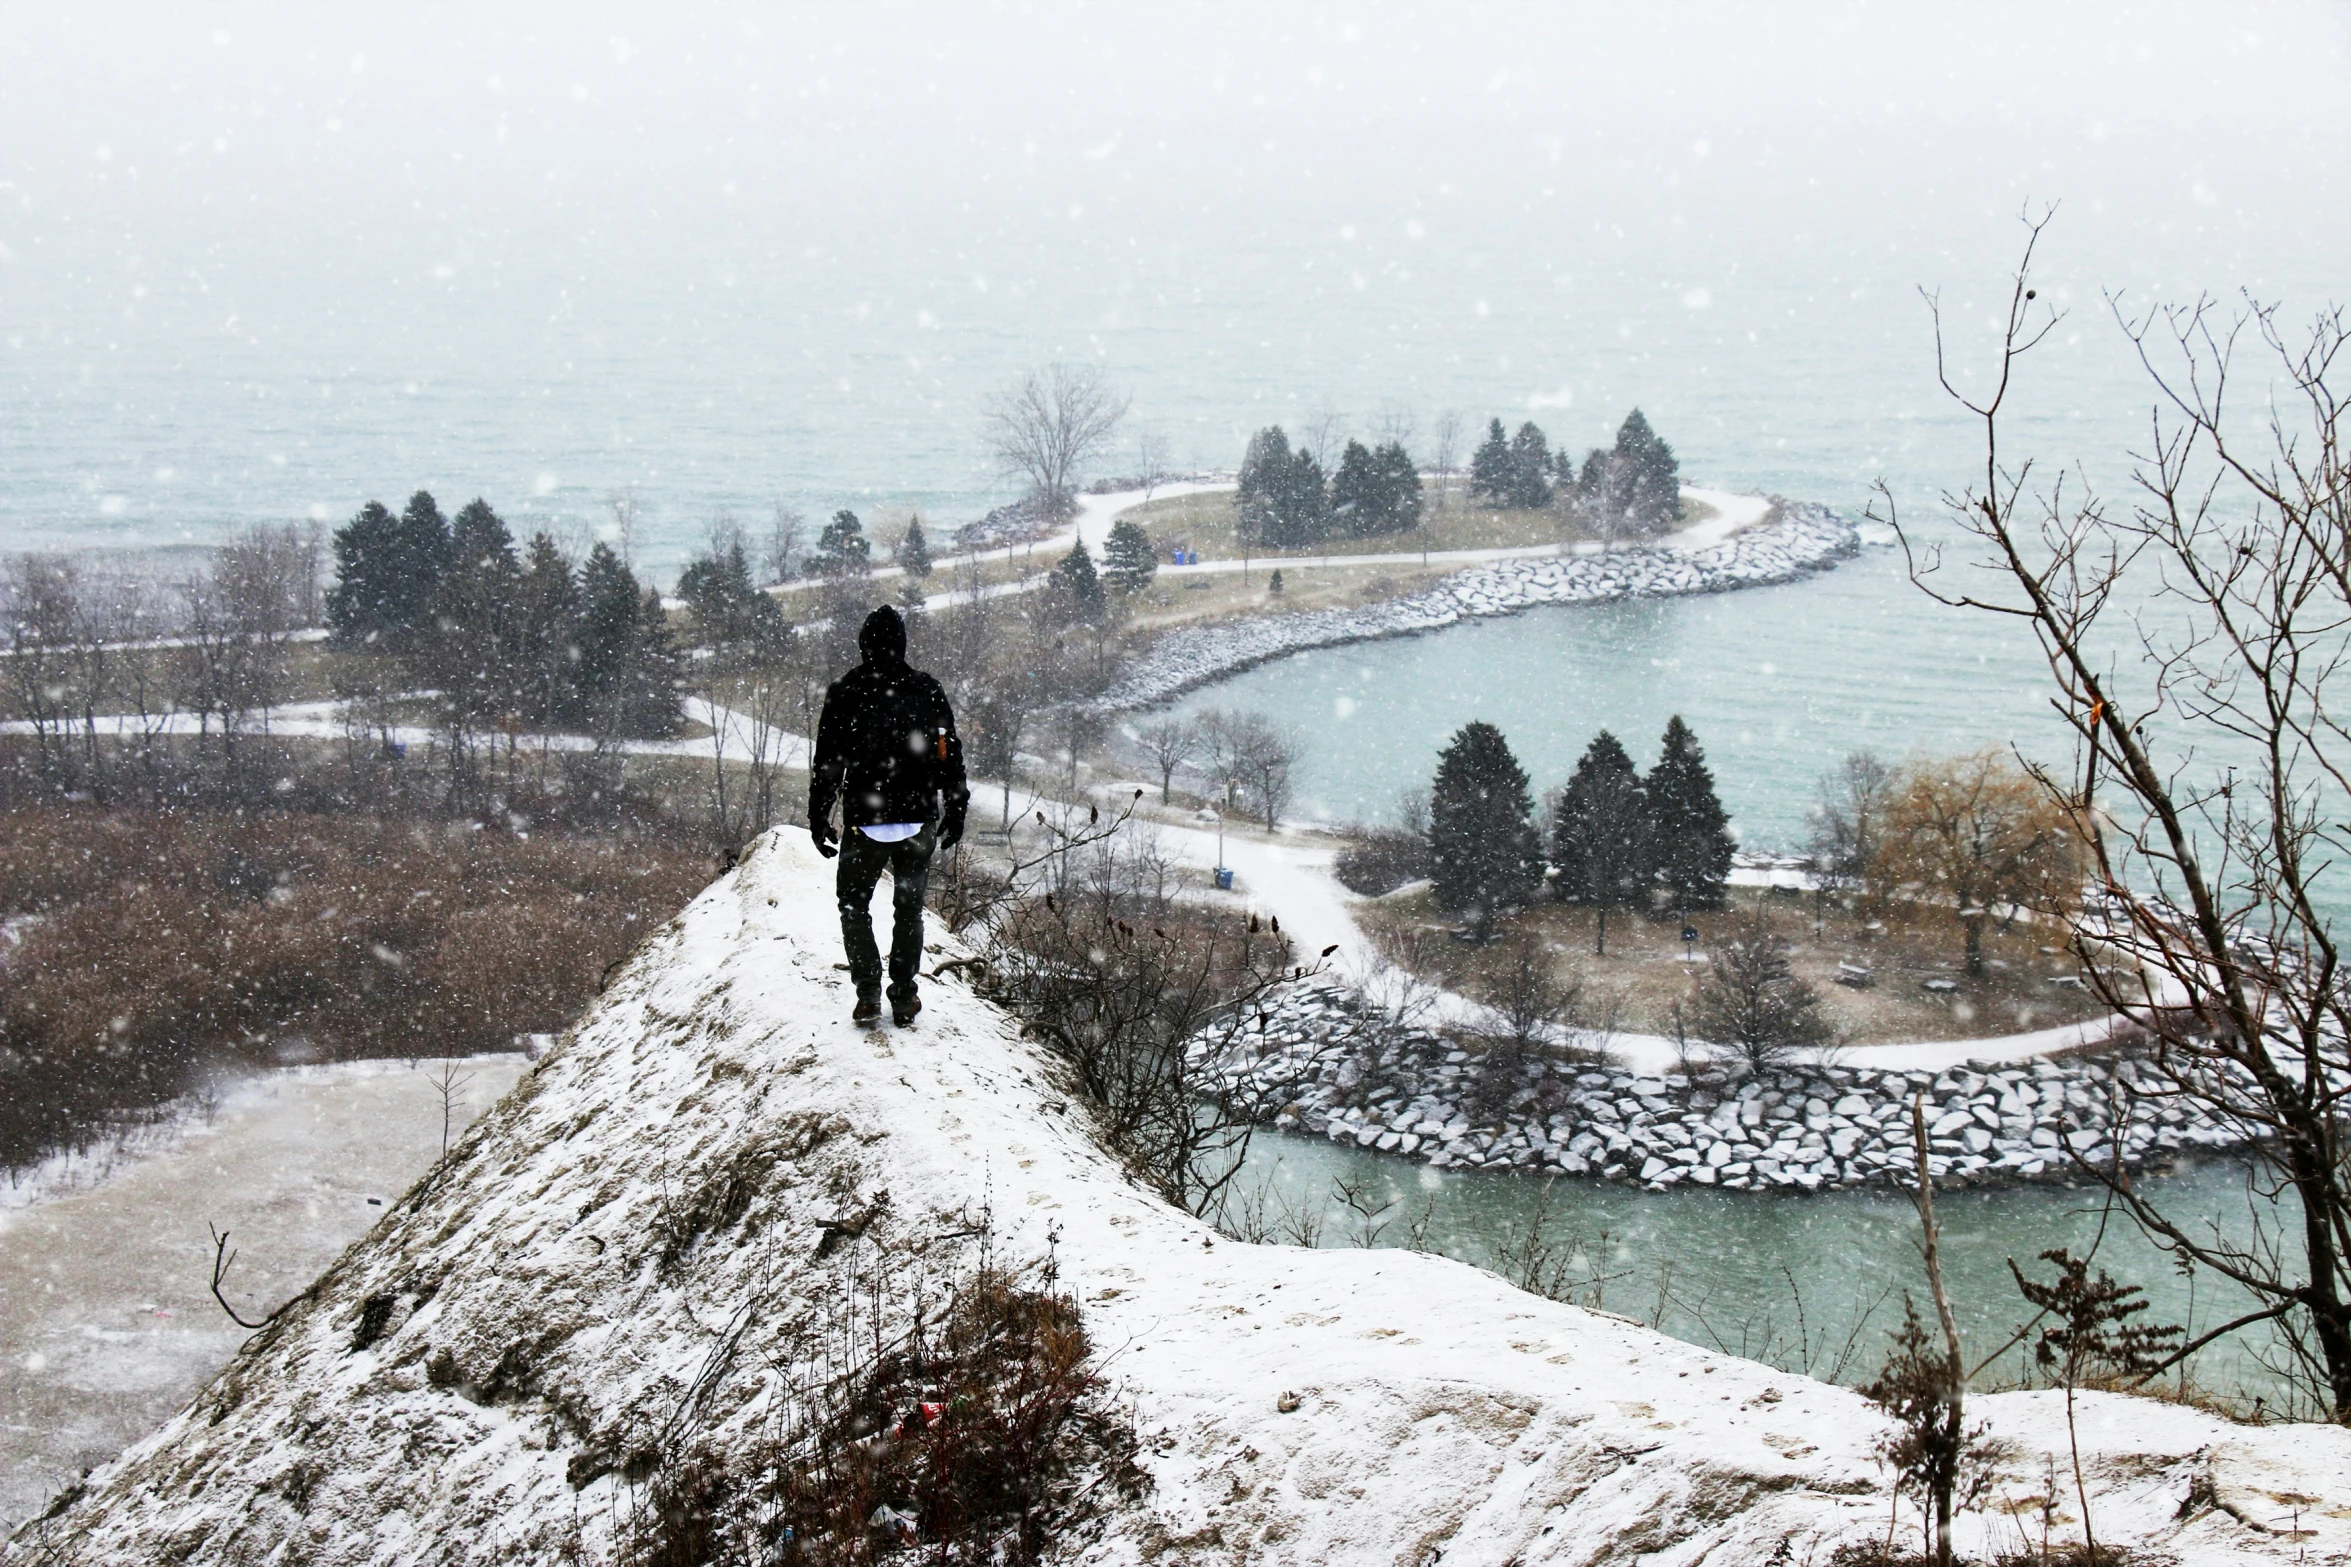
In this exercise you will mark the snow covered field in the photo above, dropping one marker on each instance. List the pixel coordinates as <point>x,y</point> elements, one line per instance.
<point>446,1391</point>
<point>107,1323</point>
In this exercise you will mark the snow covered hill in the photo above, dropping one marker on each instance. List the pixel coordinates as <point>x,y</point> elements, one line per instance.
<point>653,1215</point>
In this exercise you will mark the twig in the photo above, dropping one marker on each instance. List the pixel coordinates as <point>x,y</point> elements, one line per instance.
<point>222,1260</point>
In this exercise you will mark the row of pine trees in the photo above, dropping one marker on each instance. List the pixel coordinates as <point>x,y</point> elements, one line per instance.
<point>1633,486</point>
<point>500,631</point>
<point>1615,839</point>
<point>1285,501</point>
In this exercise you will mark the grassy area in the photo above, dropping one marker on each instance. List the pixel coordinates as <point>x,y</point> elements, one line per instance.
<point>1206,523</point>
<point>1644,972</point>
<point>151,948</point>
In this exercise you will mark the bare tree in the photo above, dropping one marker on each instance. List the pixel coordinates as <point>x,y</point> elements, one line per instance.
<point>1396,422</point>
<point>1321,435</point>
<point>1170,743</point>
<point>2194,638</point>
<point>1269,754</point>
<point>627,513</point>
<point>55,663</point>
<point>1151,454</point>
<point>1444,447</point>
<point>1848,821</point>
<point>782,552</point>
<point>1047,423</point>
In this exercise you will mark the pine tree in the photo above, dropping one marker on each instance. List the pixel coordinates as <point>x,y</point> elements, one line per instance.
<point>1265,475</point>
<point>1647,479</point>
<point>364,599</point>
<point>547,612</point>
<point>1302,508</point>
<point>1600,835</point>
<point>1400,483</point>
<point>1692,831</point>
<point>914,551</point>
<point>1128,563</point>
<point>1484,853</point>
<point>730,613</point>
<point>1075,587</point>
<point>1359,498</point>
<point>607,631</point>
<point>420,553</point>
<point>1530,468</point>
<point>648,695</point>
<point>1491,477</point>
<point>842,550</point>
<point>468,649</point>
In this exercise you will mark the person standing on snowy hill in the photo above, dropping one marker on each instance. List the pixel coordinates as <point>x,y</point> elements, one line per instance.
<point>886,747</point>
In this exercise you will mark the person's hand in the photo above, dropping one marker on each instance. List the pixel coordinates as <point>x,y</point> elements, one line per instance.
<point>821,834</point>
<point>951,832</point>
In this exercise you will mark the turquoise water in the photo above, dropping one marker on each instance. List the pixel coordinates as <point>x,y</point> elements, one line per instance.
<point>1807,1283</point>
<point>1778,682</point>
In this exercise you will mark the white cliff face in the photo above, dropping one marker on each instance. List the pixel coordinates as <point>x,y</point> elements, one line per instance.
<point>708,1156</point>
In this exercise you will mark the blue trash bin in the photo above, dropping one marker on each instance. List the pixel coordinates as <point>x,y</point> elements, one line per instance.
<point>1224,878</point>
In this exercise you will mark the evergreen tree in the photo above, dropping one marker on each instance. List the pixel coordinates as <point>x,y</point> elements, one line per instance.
<point>843,550</point>
<point>367,590</point>
<point>547,612</point>
<point>1484,853</point>
<point>1491,477</point>
<point>420,553</point>
<point>1400,479</point>
<point>1530,468</point>
<point>730,612</point>
<point>1302,510</point>
<point>1075,587</point>
<point>1692,830</point>
<point>914,551</point>
<point>607,630</point>
<point>1128,562</point>
<point>468,650</point>
<point>1646,480</point>
<point>1265,476</point>
<point>1356,498</point>
<point>648,696</point>
<point>1600,837</point>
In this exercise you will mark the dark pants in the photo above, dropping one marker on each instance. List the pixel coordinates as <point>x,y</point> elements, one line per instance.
<point>862,864</point>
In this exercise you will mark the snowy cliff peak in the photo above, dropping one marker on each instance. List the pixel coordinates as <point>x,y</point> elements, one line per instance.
<point>664,1216</point>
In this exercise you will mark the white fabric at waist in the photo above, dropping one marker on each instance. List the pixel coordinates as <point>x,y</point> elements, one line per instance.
<point>892,832</point>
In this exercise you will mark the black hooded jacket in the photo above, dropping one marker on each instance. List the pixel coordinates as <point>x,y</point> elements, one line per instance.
<point>886,745</point>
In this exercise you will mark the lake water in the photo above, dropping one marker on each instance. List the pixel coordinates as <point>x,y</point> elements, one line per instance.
<point>1778,683</point>
<point>1807,1283</point>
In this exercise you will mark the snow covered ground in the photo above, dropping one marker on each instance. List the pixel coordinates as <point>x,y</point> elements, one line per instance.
<point>447,1391</point>
<point>107,1323</point>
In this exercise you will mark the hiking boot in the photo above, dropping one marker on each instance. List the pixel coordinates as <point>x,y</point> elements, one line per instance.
<point>903,1009</point>
<point>868,1010</point>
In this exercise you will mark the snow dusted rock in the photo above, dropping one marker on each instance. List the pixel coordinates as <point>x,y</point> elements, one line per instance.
<point>1806,538</point>
<point>715,1151</point>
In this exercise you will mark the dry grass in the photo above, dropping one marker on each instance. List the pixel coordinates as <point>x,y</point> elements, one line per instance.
<point>1643,973</point>
<point>152,947</point>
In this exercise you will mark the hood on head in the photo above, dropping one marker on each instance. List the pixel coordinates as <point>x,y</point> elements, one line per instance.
<point>883,636</point>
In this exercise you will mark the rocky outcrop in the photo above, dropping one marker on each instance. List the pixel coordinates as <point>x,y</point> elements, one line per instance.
<point>1323,1064</point>
<point>1804,538</point>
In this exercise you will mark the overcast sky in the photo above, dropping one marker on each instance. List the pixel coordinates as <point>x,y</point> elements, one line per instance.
<point>840,115</point>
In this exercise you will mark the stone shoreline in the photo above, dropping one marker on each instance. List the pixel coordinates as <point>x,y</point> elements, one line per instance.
<point>1804,539</point>
<point>1324,1064</point>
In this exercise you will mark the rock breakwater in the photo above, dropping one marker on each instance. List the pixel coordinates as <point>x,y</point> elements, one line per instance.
<point>1326,1064</point>
<point>1804,538</point>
